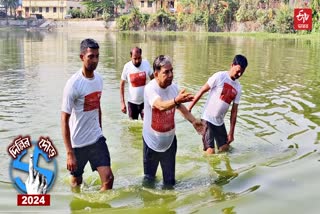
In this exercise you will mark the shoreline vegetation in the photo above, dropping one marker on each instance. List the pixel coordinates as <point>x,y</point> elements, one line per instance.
<point>256,35</point>
<point>272,16</point>
<point>229,16</point>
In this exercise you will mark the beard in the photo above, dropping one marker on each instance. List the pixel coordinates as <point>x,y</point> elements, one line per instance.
<point>137,64</point>
<point>92,67</point>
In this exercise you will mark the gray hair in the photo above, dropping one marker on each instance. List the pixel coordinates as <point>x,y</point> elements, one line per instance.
<point>161,61</point>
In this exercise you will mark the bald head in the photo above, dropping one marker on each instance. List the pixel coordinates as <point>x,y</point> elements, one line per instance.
<point>136,58</point>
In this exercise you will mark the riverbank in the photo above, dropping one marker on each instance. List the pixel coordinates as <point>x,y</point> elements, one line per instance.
<point>65,24</point>
<point>100,25</point>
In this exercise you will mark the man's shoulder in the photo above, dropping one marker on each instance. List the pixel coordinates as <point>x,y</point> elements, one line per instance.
<point>129,63</point>
<point>74,77</point>
<point>97,75</point>
<point>145,61</point>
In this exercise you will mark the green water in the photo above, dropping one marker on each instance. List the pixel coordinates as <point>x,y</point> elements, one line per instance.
<point>273,166</point>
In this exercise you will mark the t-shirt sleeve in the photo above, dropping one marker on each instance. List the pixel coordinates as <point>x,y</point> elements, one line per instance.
<point>212,81</point>
<point>68,98</point>
<point>151,95</point>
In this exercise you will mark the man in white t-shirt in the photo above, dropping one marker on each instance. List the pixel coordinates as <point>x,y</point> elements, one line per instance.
<point>81,120</point>
<point>224,89</point>
<point>136,73</point>
<point>162,98</point>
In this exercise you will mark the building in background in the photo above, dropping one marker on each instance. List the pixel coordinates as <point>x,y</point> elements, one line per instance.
<point>152,6</point>
<point>53,9</point>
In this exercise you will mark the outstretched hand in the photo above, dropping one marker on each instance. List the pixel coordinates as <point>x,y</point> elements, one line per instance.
<point>36,183</point>
<point>184,97</point>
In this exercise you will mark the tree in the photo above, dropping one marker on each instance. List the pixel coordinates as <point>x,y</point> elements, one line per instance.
<point>106,6</point>
<point>10,5</point>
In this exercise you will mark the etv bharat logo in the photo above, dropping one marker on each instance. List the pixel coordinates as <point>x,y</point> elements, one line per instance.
<point>302,19</point>
<point>39,167</point>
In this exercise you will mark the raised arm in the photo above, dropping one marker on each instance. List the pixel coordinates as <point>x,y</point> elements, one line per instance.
<point>197,97</point>
<point>164,105</point>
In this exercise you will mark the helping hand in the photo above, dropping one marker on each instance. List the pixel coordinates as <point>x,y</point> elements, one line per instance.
<point>199,126</point>
<point>36,183</point>
<point>184,97</point>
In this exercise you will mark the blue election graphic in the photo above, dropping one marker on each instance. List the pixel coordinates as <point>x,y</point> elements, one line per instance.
<point>19,165</point>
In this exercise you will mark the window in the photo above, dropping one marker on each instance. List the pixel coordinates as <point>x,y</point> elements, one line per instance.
<point>142,3</point>
<point>150,3</point>
<point>47,9</point>
<point>61,9</point>
<point>27,9</point>
<point>54,9</point>
<point>33,10</point>
<point>40,9</point>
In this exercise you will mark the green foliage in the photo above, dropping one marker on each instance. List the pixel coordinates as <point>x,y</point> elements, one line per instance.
<point>264,16</point>
<point>107,6</point>
<point>75,13</point>
<point>284,19</point>
<point>123,22</point>
<point>224,17</point>
<point>210,22</point>
<point>315,6</point>
<point>214,16</point>
<point>9,5</point>
<point>162,20</point>
<point>246,13</point>
<point>132,21</point>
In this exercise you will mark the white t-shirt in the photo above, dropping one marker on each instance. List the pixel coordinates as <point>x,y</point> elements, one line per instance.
<point>223,91</point>
<point>158,126</point>
<point>81,99</point>
<point>137,79</point>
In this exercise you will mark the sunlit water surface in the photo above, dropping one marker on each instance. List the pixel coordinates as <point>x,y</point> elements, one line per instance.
<point>273,166</point>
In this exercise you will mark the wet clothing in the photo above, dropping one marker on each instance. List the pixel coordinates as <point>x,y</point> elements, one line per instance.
<point>137,79</point>
<point>167,160</point>
<point>214,134</point>
<point>134,110</point>
<point>223,91</point>
<point>81,99</point>
<point>97,154</point>
<point>158,126</point>
<point>159,140</point>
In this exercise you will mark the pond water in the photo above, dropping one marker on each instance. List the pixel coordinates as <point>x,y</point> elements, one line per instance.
<point>273,166</point>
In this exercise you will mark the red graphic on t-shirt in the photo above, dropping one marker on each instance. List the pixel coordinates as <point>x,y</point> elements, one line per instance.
<point>138,79</point>
<point>92,101</point>
<point>228,93</point>
<point>162,121</point>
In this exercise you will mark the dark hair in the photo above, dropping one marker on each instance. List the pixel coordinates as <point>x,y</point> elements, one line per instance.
<point>240,60</point>
<point>88,43</point>
<point>136,48</point>
<point>161,61</point>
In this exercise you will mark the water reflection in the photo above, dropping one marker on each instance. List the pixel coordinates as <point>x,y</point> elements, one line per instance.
<point>277,131</point>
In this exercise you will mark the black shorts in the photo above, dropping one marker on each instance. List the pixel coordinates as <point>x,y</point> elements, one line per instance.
<point>97,154</point>
<point>214,134</point>
<point>134,110</point>
<point>167,160</point>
